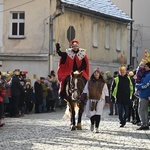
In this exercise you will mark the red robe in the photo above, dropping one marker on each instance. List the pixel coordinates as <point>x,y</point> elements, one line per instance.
<point>66,69</point>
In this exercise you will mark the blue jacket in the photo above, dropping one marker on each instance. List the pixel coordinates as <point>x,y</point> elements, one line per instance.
<point>144,86</point>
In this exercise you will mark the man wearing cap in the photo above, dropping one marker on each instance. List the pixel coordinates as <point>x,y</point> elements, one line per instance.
<point>74,59</point>
<point>144,97</point>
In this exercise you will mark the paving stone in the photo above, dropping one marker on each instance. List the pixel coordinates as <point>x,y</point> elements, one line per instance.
<point>49,131</point>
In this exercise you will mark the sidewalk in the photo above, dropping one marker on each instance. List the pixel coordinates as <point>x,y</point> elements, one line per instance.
<point>49,131</point>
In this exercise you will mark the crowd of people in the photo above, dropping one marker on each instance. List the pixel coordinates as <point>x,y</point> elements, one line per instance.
<point>127,90</point>
<point>19,97</point>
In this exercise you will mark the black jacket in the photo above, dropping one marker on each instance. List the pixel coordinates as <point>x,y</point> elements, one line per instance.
<point>15,86</point>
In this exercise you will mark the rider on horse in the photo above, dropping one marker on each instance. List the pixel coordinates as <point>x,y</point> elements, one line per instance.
<point>72,60</point>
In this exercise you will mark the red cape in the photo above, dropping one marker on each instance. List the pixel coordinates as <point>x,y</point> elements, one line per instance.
<point>65,70</point>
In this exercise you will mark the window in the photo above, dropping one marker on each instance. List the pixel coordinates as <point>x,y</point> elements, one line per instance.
<point>17,29</point>
<point>71,33</point>
<point>107,37</point>
<point>95,35</point>
<point>118,39</point>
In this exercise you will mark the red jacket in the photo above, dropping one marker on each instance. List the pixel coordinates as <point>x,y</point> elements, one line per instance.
<point>65,69</point>
<point>2,94</point>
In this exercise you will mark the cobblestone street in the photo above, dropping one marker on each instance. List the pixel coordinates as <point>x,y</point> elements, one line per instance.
<point>49,131</point>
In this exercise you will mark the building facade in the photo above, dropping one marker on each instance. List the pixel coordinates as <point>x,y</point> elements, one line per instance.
<point>25,36</point>
<point>30,29</point>
<point>1,23</point>
<point>141,26</point>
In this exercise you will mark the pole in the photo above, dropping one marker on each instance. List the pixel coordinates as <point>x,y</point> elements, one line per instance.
<point>50,44</point>
<point>50,57</point>
<point>131,26</point>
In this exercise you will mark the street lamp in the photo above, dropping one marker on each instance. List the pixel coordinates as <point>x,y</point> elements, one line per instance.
<point>131,24</point>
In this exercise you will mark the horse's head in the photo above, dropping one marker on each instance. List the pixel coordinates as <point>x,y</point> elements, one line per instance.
<point>75,85</point>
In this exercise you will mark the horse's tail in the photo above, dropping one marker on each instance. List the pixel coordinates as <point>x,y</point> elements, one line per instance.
<point>67,114</point>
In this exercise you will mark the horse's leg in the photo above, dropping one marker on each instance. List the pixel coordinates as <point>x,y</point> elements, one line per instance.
<point>79,126</point>
<point>71,119</point>
<point>73,127</point>
<point>72,116</point>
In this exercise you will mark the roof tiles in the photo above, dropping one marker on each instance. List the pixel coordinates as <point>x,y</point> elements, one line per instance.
<point>105,7</point>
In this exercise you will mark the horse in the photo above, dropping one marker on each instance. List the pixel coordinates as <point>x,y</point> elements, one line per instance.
<point>74,87</point>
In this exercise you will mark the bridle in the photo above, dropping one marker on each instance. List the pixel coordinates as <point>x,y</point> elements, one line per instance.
<point>73,89</point>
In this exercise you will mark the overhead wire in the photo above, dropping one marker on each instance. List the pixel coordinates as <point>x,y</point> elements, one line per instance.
<point>17,6</point>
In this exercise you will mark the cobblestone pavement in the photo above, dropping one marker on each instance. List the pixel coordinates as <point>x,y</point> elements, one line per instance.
<point>49,131</point>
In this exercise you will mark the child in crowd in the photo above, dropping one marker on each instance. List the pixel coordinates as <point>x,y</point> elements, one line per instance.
<point>28,98</point>
<point>140,71</point>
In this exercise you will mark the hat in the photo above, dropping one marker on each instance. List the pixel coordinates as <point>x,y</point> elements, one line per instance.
<point>148,64</point>
<point>131,67</point>
<point>42,78</point>
<point>116,72</point>
<point>74,42</point>
<point>52,73</point>
<point>3,73</point>
<point>17,72</point>
<point>98,70</point>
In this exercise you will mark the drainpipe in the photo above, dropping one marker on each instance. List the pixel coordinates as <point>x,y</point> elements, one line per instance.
<point>50,67</point>
<point>131,29</point>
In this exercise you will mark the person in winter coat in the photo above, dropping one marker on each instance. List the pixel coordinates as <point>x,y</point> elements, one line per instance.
<point>21,104</point>
<point>48,84</point>
<point>38,95</point>
<point>2,95</point>
<point>28,97</point>
<point>44,89</point>
<point>74,59</point>
<point>122,91</point>
<point>6,99</point>
<point>96,90</point>
<point>55,86</point>
<point>109,80</point>
<point>144,96</point>
<point>15,93</point>
<point>132,113</point>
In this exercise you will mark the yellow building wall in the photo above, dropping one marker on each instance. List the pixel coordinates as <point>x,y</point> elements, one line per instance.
<point>84,34</point>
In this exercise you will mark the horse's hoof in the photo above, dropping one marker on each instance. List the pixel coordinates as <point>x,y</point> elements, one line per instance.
<point>73,128</point>
<point>79,127</point>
